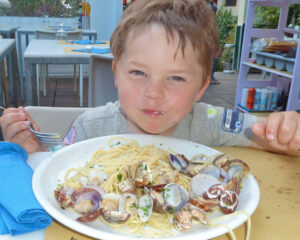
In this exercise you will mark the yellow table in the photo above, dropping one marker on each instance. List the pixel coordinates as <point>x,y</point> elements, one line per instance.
<point>278,214</point>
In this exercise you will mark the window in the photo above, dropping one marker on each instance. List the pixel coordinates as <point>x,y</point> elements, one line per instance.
<point>230,3</point>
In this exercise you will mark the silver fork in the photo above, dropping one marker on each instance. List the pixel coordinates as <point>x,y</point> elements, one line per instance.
<point>49,139</point>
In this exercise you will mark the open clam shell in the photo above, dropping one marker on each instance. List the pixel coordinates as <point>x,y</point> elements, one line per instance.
<point>178,161</point>
<point>202,182</point>
<point>175,196</point>
<point>145,207</point>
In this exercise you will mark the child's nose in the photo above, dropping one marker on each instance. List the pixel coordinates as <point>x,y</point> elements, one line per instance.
<point>154,90</point>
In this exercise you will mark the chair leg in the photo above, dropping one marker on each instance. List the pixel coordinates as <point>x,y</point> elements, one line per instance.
<point>44,79</point>
<point>81,84</point>
<point>4,85</point>
<point>75,79</point>
<point>38,82</point>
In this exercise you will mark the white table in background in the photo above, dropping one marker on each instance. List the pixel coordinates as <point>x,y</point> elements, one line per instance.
<point>91,33</point>
<point>49,52</point>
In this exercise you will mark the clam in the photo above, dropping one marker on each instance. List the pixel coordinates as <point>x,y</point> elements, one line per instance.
<point>158,201</point>
<point>126,186</point>
<point>200,159</point>
<point>128,203</point>
<point>115,216</point>
<point>143,175</point>
<point>175,196</point>
<point>211,170</point>
<point>111,210</point>
<point>63,196</point>
<point>183,220</point>
<point>220,160</point>
<point>197,213</point>
<point>237,169</point>
<point>193,169</point>
<point>87,202</point>
<point>228,201</point>
<point>205,204</point>
<point>145,207</point>
<point>110,202</point>
<point>178,161</point>
<point>202,182</point>
<point>97,177</point>
<point>214,192</point>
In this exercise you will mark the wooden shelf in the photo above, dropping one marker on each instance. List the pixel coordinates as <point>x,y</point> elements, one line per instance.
<point>268,69</point>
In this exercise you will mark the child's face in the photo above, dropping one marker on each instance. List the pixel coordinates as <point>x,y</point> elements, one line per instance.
<point>157,90</point>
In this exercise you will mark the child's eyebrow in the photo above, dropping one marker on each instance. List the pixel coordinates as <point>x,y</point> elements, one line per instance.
<point>139,64</point>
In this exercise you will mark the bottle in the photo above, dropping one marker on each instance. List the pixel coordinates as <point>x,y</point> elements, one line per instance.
<point>250,100</point>
<point>257,99</point>
<point>263,99</point>
<point>269,98</point>
<point>244,97</point>
<point>274,99</point>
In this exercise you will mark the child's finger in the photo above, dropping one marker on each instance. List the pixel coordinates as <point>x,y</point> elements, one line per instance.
<point>295,142</point>
<point>14,129</point>
<point>259,129</point>
<point>29,118</point>
<point>286,129</point>
<point>273,123</point>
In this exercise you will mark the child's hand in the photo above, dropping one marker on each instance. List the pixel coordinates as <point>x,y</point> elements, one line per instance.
<point>279,132</point>
<point>15,128</point>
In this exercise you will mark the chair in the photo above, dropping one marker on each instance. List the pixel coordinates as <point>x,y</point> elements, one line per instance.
<point>48,118</point>
<point>101,81</point>
<point>68,35</point>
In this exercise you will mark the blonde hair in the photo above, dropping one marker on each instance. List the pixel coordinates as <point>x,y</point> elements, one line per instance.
<point>192,20</point>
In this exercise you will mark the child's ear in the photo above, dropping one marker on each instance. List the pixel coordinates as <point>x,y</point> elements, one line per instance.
<point>202,89</point>
<point>115,73</point>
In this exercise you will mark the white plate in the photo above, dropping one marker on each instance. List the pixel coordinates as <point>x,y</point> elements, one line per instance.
<point>51,172</point>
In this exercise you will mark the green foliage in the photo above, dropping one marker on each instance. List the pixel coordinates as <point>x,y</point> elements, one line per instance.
<point>294,15</point>
<point>267,17</point>
<point>226,24</point>
<point>53,8</point>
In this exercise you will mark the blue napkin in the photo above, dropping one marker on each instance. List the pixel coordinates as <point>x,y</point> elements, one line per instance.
<point>19,210</point>
<point>93,50</point>
<point>88,42</point>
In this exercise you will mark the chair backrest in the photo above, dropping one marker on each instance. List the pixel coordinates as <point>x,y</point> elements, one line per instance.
<point>41,34</point>
<point>73,35</point>
<point>54,119</point>
<point>101,82</point>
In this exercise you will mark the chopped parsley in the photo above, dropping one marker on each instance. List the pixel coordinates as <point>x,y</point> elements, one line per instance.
<point>119,176</point>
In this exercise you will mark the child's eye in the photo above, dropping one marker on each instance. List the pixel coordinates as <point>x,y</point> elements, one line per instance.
<point>176,78</point>
<point>137,73</point>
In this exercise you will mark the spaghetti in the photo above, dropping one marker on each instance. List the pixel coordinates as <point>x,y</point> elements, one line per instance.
<point>119,163</point>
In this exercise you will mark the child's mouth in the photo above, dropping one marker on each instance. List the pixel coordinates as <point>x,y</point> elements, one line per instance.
<point>153,113</point>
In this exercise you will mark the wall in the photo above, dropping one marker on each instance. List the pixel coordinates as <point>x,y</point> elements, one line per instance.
<point>105,15</point>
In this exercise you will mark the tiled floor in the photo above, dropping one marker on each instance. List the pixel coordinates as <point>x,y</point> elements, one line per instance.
<point>60,92</point>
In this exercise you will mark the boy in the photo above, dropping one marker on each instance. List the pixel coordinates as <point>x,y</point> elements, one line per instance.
<point>163,53</point>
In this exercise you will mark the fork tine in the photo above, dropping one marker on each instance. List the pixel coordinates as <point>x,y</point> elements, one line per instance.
<point>49,139</point>
<point>51,143</point>
<point>43,134</point>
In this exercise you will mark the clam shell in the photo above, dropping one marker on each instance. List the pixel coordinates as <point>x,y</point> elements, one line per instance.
<point>175,196</point>
<point>202,182</point>
<point>145,207</point>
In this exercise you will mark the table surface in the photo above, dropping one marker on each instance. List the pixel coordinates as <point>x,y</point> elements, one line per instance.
<point>8,28</point>
<point>38,48</point>
<point>31,30</point>
<point>5,46</point>
<point>278,213</point>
